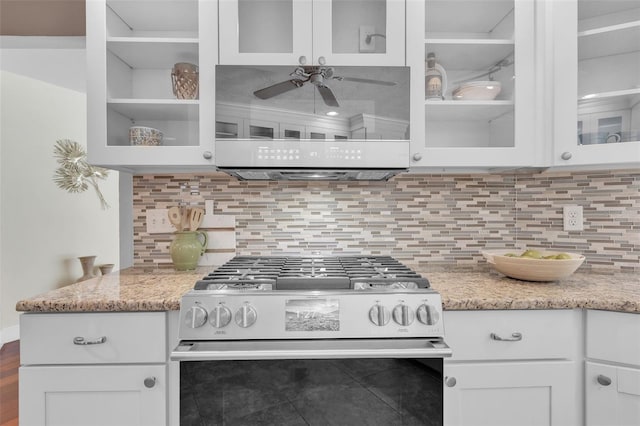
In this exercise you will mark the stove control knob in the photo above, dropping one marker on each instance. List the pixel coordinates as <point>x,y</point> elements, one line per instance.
<point>196,317</point>
<point>379,315</point>
<point>428,314</point>
<point>220,316</point>
<point>246,316</point>
<point>403,315</point>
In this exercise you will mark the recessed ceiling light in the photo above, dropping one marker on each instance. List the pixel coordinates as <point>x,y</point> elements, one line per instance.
<point>332,113</point>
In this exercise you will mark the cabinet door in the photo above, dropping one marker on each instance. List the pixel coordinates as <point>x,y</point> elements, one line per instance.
<point>312,32</point>
<point>597,74</point>
<point>265,32</point>
<point>510,394</point>
<point>359,32</point>
<point>612,395</point>
<point>132,52</point>
<point>479,108</point>
<point>93,395</point>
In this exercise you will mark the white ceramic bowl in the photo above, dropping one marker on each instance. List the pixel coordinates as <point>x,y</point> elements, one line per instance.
<point>145,136</point>
<point>528,269</point>
<point>477,91</point>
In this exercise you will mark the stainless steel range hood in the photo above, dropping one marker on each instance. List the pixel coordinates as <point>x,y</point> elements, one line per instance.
<point>313,174</point>
<point>312,160</point>
<point>312,123</point>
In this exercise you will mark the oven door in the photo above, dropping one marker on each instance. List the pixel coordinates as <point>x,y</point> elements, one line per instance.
<point>312,382</point>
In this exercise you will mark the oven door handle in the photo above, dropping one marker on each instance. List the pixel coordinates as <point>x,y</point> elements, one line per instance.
<point>310,349</point>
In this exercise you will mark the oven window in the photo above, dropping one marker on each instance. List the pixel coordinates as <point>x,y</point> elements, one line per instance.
<point>311,392</point>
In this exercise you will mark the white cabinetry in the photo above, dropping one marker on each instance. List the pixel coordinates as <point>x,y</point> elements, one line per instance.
<point>132,47</point>
<point>527,378</point>
<point>509,394</point>
<point>282,32</point>
<point>93,369</point>
<point>482,46</point>
<point>612,372</point>
<point>596,68</point>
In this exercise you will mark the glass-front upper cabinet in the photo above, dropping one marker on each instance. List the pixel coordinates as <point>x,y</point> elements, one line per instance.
<point>605,35</point>
<point>312,32</point>
<point>474,82</point>
<point>150,68</point>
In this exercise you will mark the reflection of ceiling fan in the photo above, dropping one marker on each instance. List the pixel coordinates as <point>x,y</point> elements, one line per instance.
<point>318,76</point>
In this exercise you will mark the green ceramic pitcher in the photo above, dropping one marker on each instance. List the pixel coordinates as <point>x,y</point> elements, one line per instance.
<point>186,248</point>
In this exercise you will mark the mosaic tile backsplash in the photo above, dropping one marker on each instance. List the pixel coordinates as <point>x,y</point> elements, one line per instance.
<point>421,219</point>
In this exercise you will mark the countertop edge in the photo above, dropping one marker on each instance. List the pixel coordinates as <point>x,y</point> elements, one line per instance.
<point>138,290</point>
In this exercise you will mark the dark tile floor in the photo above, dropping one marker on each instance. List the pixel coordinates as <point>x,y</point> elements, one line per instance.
<point>311,392</point>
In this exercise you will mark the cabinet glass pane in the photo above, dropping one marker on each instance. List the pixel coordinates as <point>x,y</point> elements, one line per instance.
<point>152,18</point>
<point>265,26</point>
<point>177,123</point>
<point>359,26</point>
<point>608,71</point>
<point>469,73</point>
<point>283,102</point>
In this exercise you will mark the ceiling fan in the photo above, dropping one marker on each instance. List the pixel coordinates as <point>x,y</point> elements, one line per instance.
<point>318,76</point>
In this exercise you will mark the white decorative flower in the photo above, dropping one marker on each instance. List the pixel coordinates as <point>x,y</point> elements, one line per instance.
<point>75,174</point>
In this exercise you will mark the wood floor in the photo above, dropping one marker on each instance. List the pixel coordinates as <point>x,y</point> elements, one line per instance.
<point>9,363</point>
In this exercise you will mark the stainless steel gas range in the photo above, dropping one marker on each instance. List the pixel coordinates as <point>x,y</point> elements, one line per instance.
<point>342,340</point>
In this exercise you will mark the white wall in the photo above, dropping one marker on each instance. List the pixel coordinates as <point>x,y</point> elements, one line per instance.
<point>43,229</point>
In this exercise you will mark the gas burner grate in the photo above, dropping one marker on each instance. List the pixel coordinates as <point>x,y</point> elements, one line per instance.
<point>235,286</point>
<point>313,273</point>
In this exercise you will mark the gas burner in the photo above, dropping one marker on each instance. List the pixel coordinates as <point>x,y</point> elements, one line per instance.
<point>234,286</point>
<point>396,285</point>
<point>313,273</point>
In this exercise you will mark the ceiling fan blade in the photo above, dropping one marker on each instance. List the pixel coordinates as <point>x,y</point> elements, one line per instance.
<point>327,96</point>
<point>278,89</point>
<point>366,80</point>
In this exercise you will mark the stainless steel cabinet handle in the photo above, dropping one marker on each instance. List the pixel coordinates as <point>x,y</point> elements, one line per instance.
<point>515,337</point>
<point>566,155</point>
<point>603,380</point>
<point>417,157</point>
<point>207,155</point>
<point>82,341</point>
<point>302,60</point>
<point>322,60</point>
<point>150,382</point>
<point>450,381</point>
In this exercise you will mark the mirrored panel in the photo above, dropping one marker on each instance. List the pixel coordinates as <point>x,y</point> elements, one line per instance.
<point>326,103</point>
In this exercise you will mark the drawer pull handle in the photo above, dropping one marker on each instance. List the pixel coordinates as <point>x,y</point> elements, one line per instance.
<point>603,380</point>
<point>150,382</point>
<point>450,381</point>
<point>81,341</point>
<point>515,337</point>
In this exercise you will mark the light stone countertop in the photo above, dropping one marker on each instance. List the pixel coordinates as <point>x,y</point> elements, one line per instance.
<point>138,289</point>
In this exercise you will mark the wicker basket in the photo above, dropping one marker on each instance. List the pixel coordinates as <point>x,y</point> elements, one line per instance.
<point>184,78</point>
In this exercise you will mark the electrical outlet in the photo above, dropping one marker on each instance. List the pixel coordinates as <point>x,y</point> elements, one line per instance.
<point>158,222</point>
<point>367,30</point>
<point>573,219</point>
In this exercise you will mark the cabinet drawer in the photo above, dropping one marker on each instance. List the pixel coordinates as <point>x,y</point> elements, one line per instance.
<point>112,338</point>
<point>545,334</point>
<point>613,336</point>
